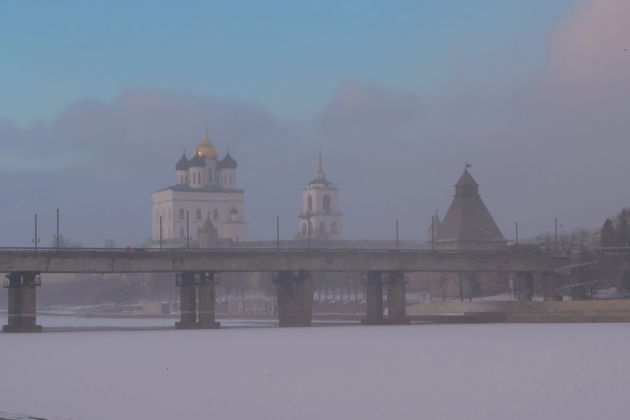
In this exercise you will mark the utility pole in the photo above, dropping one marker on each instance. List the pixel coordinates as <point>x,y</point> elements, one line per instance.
<point>277,232</point>
<point>308,216</point>
<point>57,235</point>
<point>555,235</point>
<point>433,232</point>
<point>187,230</point>
<point>35,239</point>
<point>160,232</point>
<point>516,229</point>
<point>397,241</point>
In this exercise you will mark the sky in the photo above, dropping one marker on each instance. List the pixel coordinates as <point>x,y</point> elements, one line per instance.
<point>98,99</point>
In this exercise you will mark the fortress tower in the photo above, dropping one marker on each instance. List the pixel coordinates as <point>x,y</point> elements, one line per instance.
<point>468,224</point>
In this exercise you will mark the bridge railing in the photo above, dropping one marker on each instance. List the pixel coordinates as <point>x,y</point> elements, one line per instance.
<point>135,250</point>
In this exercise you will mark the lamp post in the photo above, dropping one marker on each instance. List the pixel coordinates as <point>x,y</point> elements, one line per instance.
<point>187,230</point>
<point>35,239</point>
<point>160,232</point>
<point>277,232</point>
<point>433,232</point>
<point>308,217</point>
<point>397,241</point>
<point>57,235</point>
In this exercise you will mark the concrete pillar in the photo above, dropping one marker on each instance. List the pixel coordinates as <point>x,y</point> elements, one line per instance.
<point>548,285</point>
<point>187,301</point>
<point>22,305</point>
<point>295,298</point>
<point>396,305</point>
<point>524,286</point>
<point>373,299</point>
<point>205,294</point>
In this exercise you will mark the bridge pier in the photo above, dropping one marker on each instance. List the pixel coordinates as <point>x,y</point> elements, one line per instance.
<point>206,299</point>
<point>524,285</point>
<point>196,300</point>
<point>396,307</point>
<point>187,301</point>
<point>373,299</point>
<point>22,305</point>
<point>295,298</point>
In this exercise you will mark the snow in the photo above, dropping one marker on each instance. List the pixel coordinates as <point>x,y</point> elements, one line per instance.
<point>485,371</point>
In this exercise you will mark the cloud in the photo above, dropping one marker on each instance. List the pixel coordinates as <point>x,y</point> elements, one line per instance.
<point>592,46</point>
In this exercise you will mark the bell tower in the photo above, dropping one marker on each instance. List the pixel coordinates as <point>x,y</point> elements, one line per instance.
<point>321,217</point>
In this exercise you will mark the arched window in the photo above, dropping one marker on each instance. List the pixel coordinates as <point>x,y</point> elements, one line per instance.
<point>210,176</point>
<point>322,227</point>
<point>304,232</point>
<point>326,203</point>
<point>309,204</point>
<point>215,214</point>
<point>333,228</point>
<point>181,214</point>
<point>198,214</point>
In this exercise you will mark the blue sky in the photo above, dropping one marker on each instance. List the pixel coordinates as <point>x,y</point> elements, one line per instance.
<point>98,98</point>
<point>288,56</point>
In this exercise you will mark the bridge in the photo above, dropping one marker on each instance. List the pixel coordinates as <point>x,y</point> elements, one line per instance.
<point>195,270</point>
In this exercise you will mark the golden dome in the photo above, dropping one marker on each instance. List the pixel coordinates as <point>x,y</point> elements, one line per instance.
<point>206,149</point>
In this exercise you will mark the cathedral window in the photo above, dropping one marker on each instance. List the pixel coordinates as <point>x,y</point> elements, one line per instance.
<point>181,214</point>
<point>326,203</point>
<point>181,232</point>
<point>322,227</point>
<point>333,228</point>
<point>309,204</point>
<point>210,176</point>
<point>198,214</point>
<point>304,229</point>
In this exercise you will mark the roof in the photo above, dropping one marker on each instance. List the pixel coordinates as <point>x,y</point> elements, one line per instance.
<point>466,179</point>
<point>197,161</point>
<point>182,164</point>
<point>207,149</point>
<point>468,219</point>
<point>228,162</point>
<point>205,189</point>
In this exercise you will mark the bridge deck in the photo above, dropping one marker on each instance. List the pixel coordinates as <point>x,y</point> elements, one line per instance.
<point>242,260</point>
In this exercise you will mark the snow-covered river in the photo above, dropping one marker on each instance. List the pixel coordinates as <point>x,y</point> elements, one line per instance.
<point>487,371</point>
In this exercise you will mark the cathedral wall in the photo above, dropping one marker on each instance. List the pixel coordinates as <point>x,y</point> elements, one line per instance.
<point>172,205</point>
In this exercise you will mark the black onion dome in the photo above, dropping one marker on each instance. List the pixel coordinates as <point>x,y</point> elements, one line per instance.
<point>196,161</point>
<point>182,164</point>
<point>228,162</point>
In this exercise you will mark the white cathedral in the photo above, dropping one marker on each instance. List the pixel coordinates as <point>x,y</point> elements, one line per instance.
<point>205,195</point>
<point>320,217</point>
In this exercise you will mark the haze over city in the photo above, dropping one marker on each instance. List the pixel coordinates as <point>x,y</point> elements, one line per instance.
<point>98,101</point>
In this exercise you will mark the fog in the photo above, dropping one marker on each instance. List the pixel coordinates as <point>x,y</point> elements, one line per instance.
<point>551,145</point>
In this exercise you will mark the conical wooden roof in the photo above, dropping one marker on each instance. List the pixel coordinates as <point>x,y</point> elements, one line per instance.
<point>468,221</point>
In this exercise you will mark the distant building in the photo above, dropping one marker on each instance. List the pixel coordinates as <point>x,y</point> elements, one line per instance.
<point>206,193</point>
<point>468,224</point>
<point>320,208</point>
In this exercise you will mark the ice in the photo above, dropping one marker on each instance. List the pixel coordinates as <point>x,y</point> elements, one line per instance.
<point>486,371</point>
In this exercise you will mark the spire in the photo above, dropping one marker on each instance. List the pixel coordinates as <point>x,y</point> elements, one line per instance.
<point>319,166</point>
<point>320,173</point>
